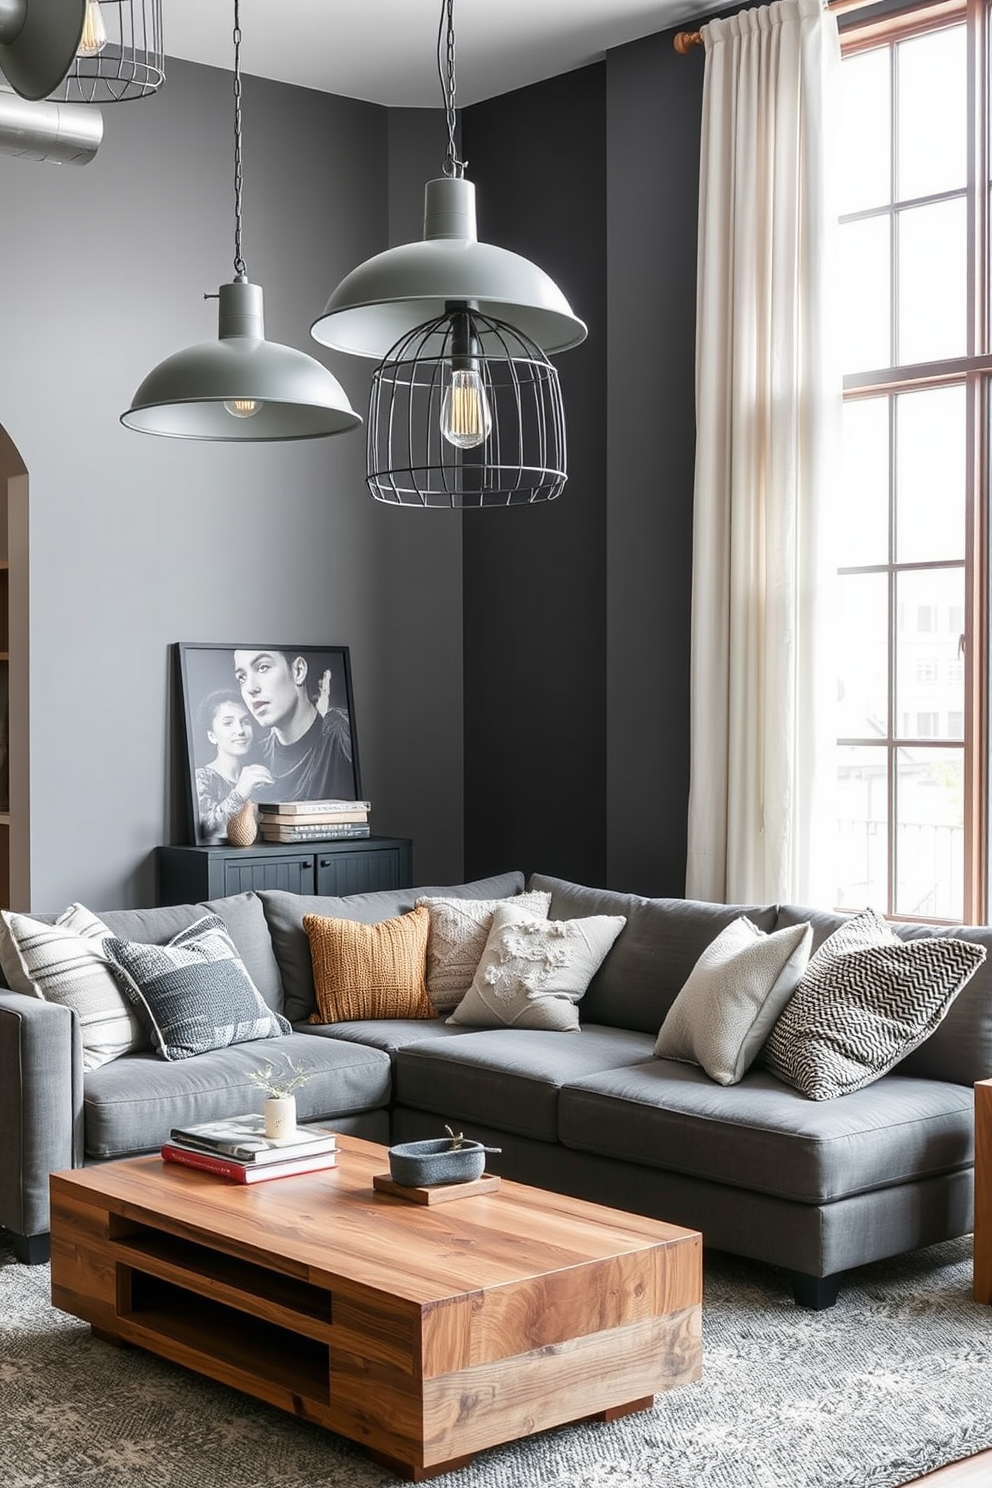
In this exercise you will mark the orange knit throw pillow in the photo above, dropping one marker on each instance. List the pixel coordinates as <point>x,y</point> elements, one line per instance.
<point>370,971</point>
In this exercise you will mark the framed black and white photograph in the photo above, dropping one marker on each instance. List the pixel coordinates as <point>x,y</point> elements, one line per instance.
<point>265,723</point>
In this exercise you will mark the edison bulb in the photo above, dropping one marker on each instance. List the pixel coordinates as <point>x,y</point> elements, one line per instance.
<point>94,37</point>
<point>243,407</point>
<point>465,417</point>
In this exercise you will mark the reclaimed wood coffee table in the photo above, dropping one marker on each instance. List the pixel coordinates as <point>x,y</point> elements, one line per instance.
<point>424,1332</point>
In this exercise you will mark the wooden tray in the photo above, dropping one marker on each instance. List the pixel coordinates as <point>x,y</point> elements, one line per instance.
<point>438,1193</point>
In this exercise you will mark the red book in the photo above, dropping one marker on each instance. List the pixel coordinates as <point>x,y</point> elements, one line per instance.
<point>226,1167</point>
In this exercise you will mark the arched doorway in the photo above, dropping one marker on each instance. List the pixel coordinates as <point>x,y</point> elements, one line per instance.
<point>15,835</point>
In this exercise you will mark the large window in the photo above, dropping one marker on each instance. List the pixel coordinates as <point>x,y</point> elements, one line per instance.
<point>911,518</point>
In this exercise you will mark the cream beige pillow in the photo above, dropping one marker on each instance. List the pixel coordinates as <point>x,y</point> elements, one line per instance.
<point>732,998</point>
<point>533,971</point>
<point>66,963</point>
<point>457,939</point>
<point>370,971</point>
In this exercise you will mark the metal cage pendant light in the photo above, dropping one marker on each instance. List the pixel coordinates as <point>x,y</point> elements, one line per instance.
<point>120,55</point>
<point>465,409</point>
<point>240,388</point>
<point>452,424</point>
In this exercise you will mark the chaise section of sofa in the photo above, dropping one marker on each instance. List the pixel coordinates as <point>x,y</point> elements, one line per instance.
<point>56,1115</point>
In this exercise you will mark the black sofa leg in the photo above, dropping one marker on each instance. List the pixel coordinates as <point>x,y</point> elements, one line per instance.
<point>815,1292</point>
<point>32,1250</point>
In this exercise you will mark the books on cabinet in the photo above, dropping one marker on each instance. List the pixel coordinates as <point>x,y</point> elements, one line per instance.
<point>313,821</point>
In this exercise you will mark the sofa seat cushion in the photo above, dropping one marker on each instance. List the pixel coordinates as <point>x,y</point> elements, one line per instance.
<point>762,1135</point>
<point>132,1104</point>
<point>391,1034</point>
<point>508,1078</point>
<point>654,953</point>
<point>284,915</point>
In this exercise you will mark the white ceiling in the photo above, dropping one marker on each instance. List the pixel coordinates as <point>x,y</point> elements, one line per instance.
<point>385,50</point>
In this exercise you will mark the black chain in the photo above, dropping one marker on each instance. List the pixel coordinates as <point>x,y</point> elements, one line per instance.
<point>446,73</point>
<point>240,268</point>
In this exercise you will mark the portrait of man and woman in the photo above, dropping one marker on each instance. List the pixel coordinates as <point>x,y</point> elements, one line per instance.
<point>266,723</point>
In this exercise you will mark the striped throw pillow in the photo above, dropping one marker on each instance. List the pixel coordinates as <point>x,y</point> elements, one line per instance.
<point>66,963</point>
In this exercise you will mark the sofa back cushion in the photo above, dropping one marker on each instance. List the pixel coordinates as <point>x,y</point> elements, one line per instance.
<point>243,918</point>
<point>960,1049</point>
<point>654,953</point>
<point>284,914</point>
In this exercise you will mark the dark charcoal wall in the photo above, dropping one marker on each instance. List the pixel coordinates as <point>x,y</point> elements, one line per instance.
<point>534,578</point>
<point>654,99</point>
<point>577,613</point>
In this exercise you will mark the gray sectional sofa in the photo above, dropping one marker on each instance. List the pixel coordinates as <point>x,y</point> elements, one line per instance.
<point>815,1187</point>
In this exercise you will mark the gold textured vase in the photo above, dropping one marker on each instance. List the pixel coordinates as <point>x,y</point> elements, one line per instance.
<point>242,827</point>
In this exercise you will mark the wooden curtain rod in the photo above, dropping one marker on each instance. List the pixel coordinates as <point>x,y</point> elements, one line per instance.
<point>684,41</point>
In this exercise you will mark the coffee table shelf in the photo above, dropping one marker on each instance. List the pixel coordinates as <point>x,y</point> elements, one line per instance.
<point>424,1333</point>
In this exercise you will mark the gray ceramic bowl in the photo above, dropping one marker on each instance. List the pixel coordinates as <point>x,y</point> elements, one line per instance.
<point>423,1164</point>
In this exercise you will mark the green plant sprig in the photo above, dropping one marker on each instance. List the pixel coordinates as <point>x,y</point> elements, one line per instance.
<point>277,1083</point>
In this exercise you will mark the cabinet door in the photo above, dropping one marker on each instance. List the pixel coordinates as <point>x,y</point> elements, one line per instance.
<point>294,874</point>
<point>358,872</point>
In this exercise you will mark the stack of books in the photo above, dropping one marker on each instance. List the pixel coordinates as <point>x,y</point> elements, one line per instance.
<point>238,1148</point>
<point>313,821</point>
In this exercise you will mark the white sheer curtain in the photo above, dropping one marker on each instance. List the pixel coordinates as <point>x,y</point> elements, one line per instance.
<point>763,684</point>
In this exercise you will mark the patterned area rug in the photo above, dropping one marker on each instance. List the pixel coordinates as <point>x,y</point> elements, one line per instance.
<point>892,1382</point>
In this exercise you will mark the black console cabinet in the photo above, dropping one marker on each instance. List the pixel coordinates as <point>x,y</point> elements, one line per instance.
<point>352,865</point>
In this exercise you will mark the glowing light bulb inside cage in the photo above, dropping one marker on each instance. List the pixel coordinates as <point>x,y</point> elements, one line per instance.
<point>94,37</point>
<point>466,419</point>
<point>243,407</point>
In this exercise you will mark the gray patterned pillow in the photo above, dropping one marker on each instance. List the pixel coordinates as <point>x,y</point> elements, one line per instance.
<point>866,1000</point>
<point>732,997</point>
<point>457,939</point>
<point>194,993</point>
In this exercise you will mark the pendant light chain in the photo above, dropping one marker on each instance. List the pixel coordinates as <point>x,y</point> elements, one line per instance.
<point>446,34</point>
<point>240,267</point>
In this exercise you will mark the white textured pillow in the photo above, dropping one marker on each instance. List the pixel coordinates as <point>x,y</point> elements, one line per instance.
<point>866,1000</point>
<point>732,998</point>
<point>457,939</point>
<point>66,963</point>
<point>533,971</point>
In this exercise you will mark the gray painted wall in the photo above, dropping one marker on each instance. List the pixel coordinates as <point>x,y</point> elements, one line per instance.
<point>139,542</point>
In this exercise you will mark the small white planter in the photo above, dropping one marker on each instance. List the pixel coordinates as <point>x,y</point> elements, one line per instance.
<point>280,1117</point>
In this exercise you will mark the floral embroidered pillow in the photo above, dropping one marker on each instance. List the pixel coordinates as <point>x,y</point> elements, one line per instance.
<point>534,971</point>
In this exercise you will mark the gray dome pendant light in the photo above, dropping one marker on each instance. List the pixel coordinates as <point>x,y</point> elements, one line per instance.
<point>240,388</point>
<point>38,42</point>
<point>466,409</point>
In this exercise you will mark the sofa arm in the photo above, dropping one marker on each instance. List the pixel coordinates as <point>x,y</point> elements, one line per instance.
<point>41,1112</point>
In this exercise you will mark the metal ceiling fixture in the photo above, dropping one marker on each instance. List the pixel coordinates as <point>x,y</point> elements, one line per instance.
<point>120,53</point>
<point>240,387</point>
<point>38,42</point>
<point>466,409</point>
<point>60,133</point>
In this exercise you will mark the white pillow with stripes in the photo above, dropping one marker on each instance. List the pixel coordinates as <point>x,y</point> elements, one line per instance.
<point>66,963</point>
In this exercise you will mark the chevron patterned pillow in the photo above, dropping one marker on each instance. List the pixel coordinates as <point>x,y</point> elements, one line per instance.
<point>866,1000</point>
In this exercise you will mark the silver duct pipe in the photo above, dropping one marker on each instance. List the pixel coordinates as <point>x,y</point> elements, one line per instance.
<point>62,133</point>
